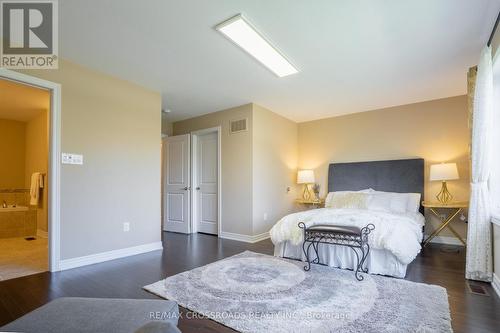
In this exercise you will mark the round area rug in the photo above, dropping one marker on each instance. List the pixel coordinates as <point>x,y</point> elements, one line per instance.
<point>253,292</point>
<point>251,275</point>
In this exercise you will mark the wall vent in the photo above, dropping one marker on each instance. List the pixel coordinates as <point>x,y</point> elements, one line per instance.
<point>237,126</point>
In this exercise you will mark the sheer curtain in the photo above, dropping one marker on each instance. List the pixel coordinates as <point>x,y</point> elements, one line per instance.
<point>494,183</point>
<point>479,256</point>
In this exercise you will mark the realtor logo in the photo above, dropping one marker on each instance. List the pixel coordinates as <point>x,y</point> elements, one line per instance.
<point>29,34</point>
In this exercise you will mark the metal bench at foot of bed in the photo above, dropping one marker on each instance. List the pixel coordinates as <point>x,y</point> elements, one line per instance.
<point>353,237</point>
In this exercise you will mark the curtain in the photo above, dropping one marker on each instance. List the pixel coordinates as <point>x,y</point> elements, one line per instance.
<point>479,256</point>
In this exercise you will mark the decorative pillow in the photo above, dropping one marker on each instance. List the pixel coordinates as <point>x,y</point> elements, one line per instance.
<point>330,195</point>
<point>354,200</point>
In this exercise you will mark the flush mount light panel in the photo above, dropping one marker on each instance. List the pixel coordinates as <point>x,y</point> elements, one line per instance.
<point>243,34</point>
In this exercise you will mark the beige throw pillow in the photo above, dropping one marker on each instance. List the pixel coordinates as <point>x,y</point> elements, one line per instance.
<point>348,200</point>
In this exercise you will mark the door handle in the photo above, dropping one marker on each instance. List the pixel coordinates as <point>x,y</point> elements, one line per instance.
<point>186,188</point>
<point>197,188</point>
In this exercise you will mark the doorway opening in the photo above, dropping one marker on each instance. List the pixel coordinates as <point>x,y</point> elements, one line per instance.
<point>29,175</point>
<point>24,131</point>
<point>192,182</point>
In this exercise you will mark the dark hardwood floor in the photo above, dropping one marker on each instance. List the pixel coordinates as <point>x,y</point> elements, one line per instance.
<point>124,278</point>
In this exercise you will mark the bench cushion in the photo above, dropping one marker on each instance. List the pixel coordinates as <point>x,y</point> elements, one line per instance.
<point>335,229</point>
<point>74,314</point>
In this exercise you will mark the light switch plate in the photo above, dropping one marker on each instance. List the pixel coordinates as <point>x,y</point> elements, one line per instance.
<point>72,159</point>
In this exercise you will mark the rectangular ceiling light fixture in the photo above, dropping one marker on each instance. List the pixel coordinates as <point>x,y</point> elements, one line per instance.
<point>249,39</point>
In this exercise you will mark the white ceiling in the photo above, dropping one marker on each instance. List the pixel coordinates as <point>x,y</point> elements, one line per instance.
<point>352,55</point>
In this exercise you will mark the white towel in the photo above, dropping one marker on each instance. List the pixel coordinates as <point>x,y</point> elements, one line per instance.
<point>36,184</point>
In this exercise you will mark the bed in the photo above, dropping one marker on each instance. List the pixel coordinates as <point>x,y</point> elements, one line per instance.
<point>398,233</point>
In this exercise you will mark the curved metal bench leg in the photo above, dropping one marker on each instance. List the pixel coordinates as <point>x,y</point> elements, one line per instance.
<point>357,274</point>
<point>363,261</point>
<point>306,253</point>
<point>316,249</point>
<point>365,232</point>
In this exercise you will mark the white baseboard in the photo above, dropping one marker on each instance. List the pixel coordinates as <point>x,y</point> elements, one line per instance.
<point>109,255</point>
<point>446,240</point>
<point>261,237</point>
<point>244,238</point>
<point>496,284</point>
<point>42,233</point>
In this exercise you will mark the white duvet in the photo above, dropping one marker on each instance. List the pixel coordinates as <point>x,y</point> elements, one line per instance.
<point>398,233</point>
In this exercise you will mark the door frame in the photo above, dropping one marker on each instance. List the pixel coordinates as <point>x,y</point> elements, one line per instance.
<point>194,170</point>
<point>54,134</point>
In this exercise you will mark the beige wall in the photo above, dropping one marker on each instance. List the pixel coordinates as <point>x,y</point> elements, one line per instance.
<point>37,161</point>
<point>434,130</point>
<point>12,158</point>
<point>275,158</point>
<point>236,164</point>
<point>116,125</point>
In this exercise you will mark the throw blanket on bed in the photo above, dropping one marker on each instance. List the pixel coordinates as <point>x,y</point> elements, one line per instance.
<point>399,233</point>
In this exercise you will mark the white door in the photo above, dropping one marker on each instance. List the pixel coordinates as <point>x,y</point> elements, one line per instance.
<point>206,182</point>
<point>176,186</point>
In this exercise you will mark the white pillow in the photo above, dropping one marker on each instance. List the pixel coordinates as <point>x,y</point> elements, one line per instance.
<point>387,202</point>
<point>413,205</point>
<point>411,201</point>
<point>330,195</point>
<point>379,203</point>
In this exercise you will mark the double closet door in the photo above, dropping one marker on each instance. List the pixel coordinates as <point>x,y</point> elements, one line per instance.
<point>191,176</point>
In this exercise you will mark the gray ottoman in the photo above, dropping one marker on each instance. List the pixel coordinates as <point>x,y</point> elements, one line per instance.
<point>106,315</point>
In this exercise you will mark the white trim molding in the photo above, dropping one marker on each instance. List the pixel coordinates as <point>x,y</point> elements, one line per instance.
<point>447,240</point>
<point>54,209</point>
<point>244,238</point>
<point>109,255</point>
<point>496,284</point>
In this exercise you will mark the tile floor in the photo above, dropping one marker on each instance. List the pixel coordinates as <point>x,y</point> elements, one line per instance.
<point>19,257</point>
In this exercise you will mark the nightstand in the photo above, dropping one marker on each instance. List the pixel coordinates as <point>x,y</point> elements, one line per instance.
<point>453,208</point>
<point>312,203</point>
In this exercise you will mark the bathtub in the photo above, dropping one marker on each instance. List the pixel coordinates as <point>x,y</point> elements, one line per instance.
<point>18,221</point>
<point>13,209</point>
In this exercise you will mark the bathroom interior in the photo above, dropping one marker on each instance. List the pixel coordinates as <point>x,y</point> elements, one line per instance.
<point>24,112</point>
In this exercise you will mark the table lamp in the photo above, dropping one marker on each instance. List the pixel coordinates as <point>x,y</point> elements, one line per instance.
<point>305,177</point>
<point>444,172</point>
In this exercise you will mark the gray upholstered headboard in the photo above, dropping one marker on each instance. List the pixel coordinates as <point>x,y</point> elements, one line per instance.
<point>402,176</point>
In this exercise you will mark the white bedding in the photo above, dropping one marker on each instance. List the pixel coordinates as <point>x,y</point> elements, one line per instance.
<point>380,262</point>
<point>399,234</point>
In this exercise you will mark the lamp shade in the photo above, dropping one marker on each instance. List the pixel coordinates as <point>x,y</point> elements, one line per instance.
<point>305,177</point>
<point>444,171</point>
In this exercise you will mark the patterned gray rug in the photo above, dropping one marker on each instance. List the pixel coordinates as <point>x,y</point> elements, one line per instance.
<point>252,292</point>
